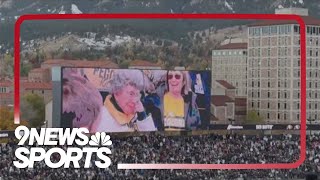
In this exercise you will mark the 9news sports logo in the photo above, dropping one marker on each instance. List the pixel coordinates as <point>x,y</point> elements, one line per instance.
<point>57,136</point>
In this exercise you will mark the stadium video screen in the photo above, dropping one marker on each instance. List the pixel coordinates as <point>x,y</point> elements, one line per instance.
<point>127,100</point>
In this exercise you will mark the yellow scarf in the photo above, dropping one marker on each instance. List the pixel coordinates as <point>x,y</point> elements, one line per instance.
<point>120,117</point>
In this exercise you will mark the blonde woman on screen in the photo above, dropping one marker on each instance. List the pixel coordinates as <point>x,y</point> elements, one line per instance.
<point>178,112</point>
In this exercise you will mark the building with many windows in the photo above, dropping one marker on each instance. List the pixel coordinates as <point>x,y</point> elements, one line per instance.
<point>273,68</point>
<point>229,63</point>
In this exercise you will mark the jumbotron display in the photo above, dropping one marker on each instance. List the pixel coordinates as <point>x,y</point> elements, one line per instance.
<point>127,100</point>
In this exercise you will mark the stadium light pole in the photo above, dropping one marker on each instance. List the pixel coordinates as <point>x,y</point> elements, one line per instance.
<point>231,121</point>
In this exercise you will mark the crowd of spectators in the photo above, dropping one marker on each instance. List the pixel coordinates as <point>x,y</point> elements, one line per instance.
<point>206,149</point>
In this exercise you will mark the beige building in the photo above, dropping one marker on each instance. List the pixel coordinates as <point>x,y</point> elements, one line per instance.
<point>226,107</point>
<point>39,75</point>
<point>6,93</point>
<point>274,68</point>
<point>44,90</point>
<point>229,63</point>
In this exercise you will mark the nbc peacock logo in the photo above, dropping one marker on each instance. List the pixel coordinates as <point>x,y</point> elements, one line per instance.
<point>100,139</point>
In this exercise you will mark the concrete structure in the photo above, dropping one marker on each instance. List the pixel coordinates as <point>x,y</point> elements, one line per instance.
<point>229,63</point>
<point>48,115</point>
<point>274,68</point>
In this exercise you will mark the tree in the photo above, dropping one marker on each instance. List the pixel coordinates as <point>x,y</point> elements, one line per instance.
<point>253,118</point>
<point>33,110</point>
<point>25,68</point>
<point>7,120</point>
<point>7,66</point>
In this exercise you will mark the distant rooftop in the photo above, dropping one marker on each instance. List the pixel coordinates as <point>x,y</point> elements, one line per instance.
<point>220,100</point>
<point>293,10</point>
<point>6,83</point>
<point>226,84</point>
<point>143,63</point>
<point>240,101</point>
<point>36,86</point>
<point>39,70</point>
<point>307,19</point>
<point>233,46</point>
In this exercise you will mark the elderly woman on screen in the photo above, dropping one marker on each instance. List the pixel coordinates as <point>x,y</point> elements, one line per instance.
<point>123,110</point>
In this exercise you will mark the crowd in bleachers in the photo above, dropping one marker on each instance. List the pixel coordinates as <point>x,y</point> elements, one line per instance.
<point>207,149</point>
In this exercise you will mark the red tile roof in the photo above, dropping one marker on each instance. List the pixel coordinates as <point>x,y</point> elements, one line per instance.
<point>233,46</point>
<point>36,86</point>
<point>143,63</point>
<point>23,79</point>
<point>220,100</point>
<point>6,95</point>
<point>36,70</point>
<point>307,19</point>
<point>226,84</point>
<point>241,101</point>
<point>6,84</point>
<point>213,118</point>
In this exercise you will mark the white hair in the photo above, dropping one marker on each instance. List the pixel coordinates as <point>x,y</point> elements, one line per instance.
<point>124,77</point>
<point>80,97</point>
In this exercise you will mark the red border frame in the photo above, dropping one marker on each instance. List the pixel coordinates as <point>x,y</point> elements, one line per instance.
<point>296,18</point>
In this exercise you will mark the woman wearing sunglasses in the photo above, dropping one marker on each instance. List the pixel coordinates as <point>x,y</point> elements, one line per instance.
<point>179,108</point>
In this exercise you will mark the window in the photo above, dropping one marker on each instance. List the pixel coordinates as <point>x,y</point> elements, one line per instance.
<point>268,84</point>
<point>278,105</point>
<point>285,94</point>
<point>252,104</point>
<point>268,116</point>
<point>285,116</point>
<point>298,106</point>
<point>268,94</point>
<point>285,105</point>
<point>268,105</point>
<point>296,29</point>
<point>278,116</point>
